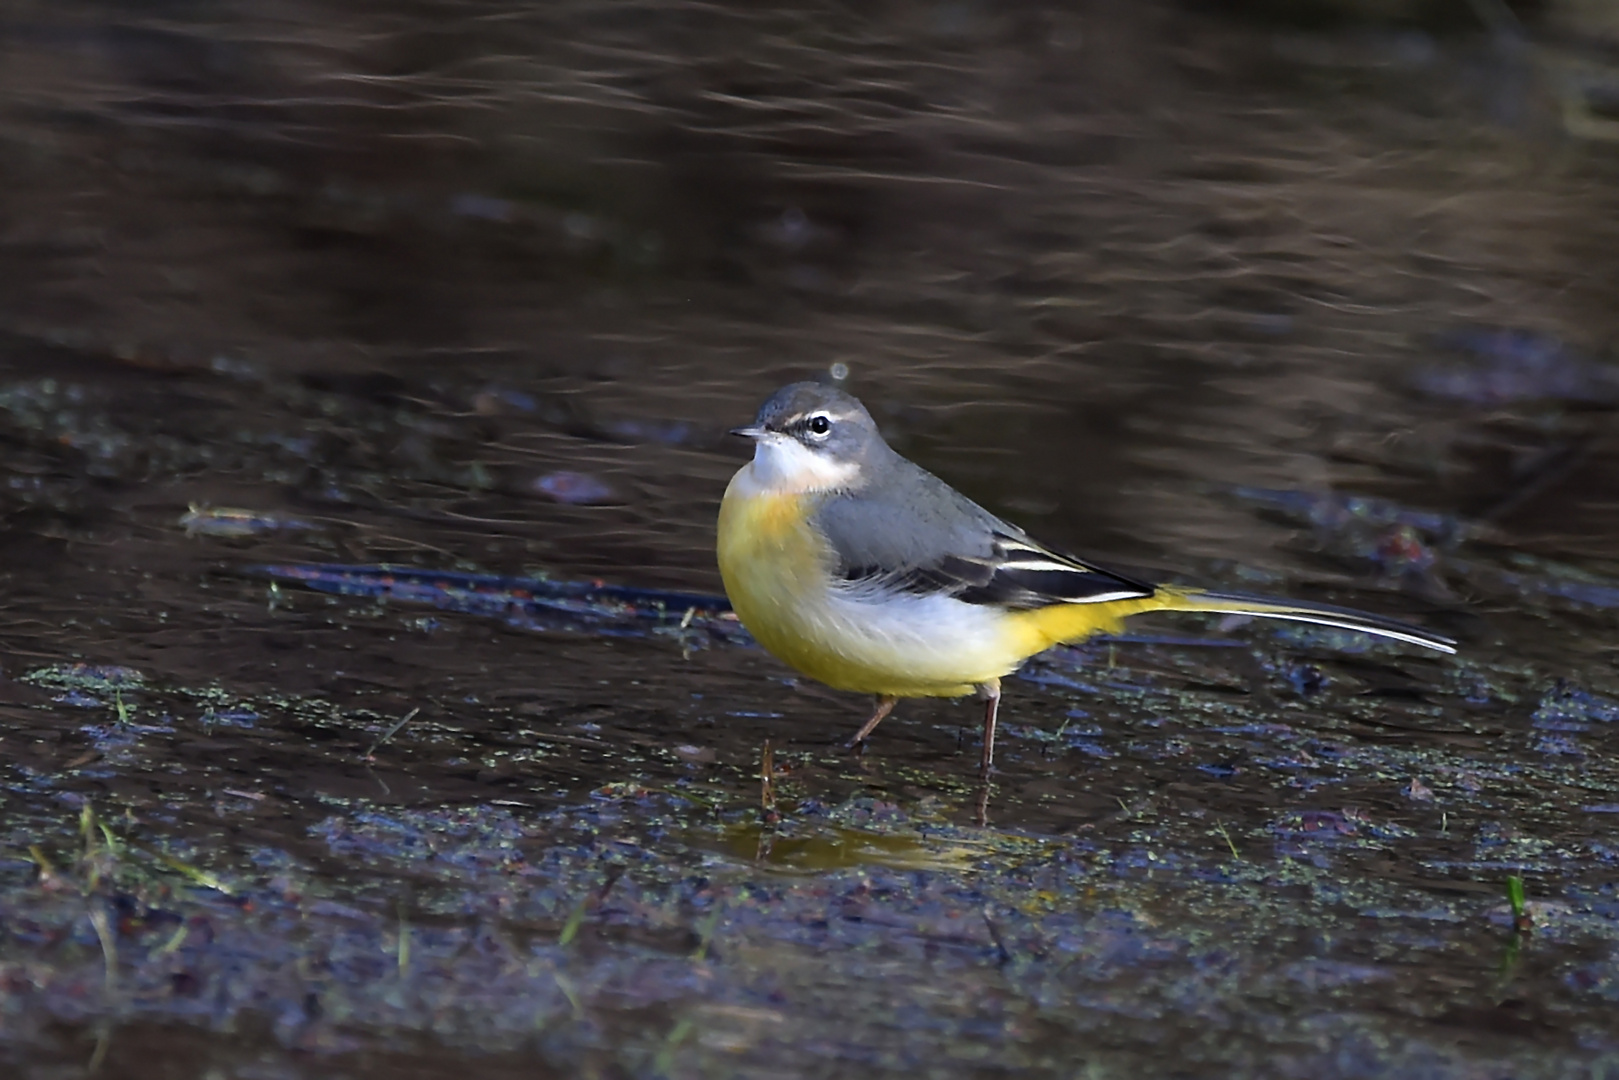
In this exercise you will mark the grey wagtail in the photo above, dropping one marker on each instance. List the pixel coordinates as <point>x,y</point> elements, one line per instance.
<point>868,573</point>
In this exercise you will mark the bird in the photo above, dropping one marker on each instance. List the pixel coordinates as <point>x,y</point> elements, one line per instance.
<point>864,571</point>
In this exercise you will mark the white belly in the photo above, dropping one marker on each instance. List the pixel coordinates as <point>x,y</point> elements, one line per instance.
<point>911,645</point>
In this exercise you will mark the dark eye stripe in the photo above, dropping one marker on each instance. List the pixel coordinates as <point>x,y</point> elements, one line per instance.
<point>801,425</point>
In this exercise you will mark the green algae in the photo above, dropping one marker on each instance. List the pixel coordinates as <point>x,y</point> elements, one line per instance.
<point>485,924</point>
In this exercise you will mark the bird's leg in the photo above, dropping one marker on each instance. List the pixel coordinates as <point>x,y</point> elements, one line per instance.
<point>991,693</point>
<point>885,705</point>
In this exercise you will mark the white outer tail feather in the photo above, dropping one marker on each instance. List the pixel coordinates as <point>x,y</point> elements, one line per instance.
<point>1215,603</point>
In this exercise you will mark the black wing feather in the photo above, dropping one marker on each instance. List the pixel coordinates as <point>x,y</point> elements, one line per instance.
<point>1016,574</point>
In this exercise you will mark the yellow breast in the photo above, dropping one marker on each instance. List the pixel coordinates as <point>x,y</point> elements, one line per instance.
<point>774,566</point>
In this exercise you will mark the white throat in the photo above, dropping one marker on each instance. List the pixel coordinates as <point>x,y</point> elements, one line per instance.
<point>782,465</point>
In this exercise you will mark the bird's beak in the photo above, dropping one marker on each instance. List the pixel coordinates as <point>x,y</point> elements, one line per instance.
<point>754,433</point>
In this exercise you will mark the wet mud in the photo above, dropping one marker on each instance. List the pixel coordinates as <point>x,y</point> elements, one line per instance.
<point>368,708</point>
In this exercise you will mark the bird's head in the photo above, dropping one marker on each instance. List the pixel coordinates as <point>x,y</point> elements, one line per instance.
<point>809,437</point>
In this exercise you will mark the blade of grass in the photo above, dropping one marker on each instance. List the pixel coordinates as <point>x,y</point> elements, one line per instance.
<point>576,918</point>
<point>176,939</point>
<point>570,992</point>
<point>1521,921</point>
<point>1515,896</point>
<point>404,943</point>
<point>666,1053</point>
<point>109,946</point>
<point>705,934</point>
<point>201,877</point>
<point>98,1056</point>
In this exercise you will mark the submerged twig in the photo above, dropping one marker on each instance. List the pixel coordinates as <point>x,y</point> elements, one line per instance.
<point>391,732</point>
<point>767,786</point>
<point>995,936</point>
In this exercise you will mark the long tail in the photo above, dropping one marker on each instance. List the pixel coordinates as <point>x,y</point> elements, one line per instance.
<point>1175,598</point>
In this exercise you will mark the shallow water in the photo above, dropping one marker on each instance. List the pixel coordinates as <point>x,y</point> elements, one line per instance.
<point>1315,312</point>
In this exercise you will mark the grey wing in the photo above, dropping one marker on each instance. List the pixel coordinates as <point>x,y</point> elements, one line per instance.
<point>933,539</point>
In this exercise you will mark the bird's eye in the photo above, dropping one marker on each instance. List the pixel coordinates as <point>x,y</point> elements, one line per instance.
<point>819,424</point>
